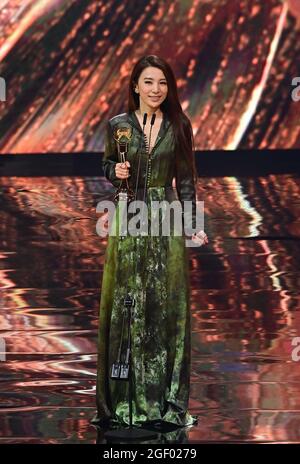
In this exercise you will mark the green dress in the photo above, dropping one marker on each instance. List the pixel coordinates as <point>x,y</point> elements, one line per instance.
<point>155,271</point>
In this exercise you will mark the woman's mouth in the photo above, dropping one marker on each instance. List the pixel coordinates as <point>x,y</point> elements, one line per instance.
<point>155,98</point>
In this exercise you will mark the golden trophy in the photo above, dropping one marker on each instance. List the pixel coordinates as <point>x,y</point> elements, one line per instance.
<point>122,136</point>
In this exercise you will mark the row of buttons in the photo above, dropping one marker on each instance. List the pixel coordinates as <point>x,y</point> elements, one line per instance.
<point>148,174</point>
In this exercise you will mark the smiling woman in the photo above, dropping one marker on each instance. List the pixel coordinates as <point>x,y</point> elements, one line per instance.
<point>152,270</point>
<point>152,89</point>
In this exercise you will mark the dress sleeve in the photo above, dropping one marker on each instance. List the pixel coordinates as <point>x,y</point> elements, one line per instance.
<point>186,188</point>
<point>110,156</point>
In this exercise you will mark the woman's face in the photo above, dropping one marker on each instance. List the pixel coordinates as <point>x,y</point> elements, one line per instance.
<point>152,87</point>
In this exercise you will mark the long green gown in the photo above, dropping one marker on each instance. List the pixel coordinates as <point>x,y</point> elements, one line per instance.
<point>155,271</point>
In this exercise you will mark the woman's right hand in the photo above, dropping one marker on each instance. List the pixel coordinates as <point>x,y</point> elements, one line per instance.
<point>122,171</point>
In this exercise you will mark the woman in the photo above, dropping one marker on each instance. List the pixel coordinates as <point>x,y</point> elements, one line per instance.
<point>152,269</point>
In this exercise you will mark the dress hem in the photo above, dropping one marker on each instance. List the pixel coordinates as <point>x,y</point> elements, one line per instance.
<point>160,423</point>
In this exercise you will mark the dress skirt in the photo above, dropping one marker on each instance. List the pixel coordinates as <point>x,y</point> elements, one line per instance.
<point>154,270</point>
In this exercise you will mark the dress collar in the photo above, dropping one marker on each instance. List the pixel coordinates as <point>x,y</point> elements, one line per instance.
<point>163,128</point>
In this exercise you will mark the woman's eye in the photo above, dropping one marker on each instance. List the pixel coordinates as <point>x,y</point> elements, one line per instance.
<point>148,82</point>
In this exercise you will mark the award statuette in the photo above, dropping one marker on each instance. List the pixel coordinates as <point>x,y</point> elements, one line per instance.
<point>122,136</point>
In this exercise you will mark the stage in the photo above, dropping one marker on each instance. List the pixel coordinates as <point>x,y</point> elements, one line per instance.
<point>245,310</point>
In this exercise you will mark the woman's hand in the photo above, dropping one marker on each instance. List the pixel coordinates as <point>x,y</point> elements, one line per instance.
<point>122,171</point>
<point>200,238</point>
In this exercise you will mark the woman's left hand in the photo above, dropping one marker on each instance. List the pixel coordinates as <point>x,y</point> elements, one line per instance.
<point>200,238</point>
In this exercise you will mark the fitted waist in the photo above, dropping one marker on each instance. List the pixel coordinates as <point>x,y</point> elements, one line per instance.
<point>157,187</point>
<point>157,192</point>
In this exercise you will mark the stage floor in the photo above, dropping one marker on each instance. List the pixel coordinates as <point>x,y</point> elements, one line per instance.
<point>245,384</point>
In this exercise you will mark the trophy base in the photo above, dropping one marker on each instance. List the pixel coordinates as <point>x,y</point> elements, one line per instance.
<point>124,195</point>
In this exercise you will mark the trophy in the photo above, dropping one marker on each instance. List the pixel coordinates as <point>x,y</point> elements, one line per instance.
<point>122,136</point>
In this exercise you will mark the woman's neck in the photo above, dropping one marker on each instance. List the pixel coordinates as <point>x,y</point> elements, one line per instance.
<point>150,112</point>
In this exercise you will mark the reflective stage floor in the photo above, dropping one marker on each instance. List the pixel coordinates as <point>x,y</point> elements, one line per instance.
<point>245,383</point>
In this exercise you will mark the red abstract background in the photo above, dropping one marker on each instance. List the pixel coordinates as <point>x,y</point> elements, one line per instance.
<point>66,65</point>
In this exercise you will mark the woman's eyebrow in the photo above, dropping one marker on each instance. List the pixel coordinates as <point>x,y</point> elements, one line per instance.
<point>162,79</point>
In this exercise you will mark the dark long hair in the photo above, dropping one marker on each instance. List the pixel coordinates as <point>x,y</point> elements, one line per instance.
<point>184,140</point>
